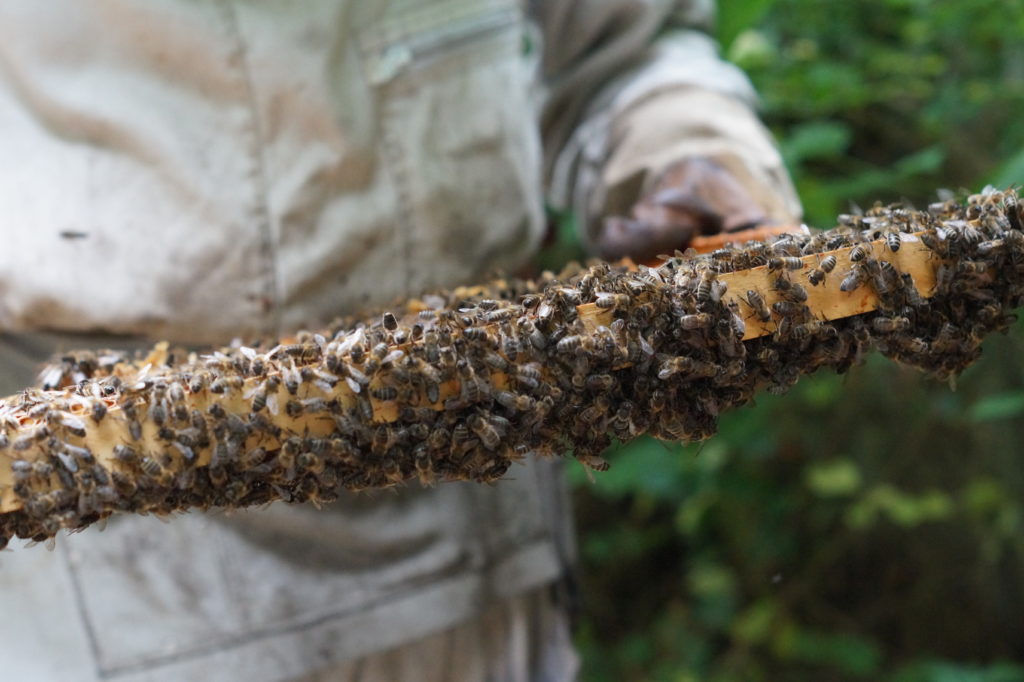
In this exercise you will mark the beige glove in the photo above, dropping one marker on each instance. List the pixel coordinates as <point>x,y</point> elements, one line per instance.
<point>701,163</point>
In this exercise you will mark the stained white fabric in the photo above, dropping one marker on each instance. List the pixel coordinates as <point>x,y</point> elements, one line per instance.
<point>213,169</point>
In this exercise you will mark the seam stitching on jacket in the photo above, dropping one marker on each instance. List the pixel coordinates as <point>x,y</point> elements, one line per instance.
<point>258,173</point>
<point>83,613</point>
<point>399,171</point>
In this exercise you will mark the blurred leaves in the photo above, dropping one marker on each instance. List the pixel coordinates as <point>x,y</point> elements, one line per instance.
<point>998,406</point>
<point>900,508</point>
<point>943,671</point>
<point>864,526</point>
<point>886,99</point>
<point>833,479</point>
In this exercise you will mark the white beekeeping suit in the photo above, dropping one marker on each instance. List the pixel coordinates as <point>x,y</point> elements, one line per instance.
<point>202,171</point>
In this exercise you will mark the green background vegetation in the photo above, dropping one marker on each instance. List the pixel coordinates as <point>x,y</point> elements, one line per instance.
<point>867,526</point>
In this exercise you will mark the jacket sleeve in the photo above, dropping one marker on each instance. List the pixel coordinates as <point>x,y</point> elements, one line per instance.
<point>631,86</point>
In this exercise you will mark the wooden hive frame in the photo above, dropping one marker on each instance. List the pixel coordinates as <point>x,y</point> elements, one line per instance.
<point>494,372</point>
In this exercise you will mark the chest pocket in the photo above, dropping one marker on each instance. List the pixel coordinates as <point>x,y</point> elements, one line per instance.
<point>458,135</point>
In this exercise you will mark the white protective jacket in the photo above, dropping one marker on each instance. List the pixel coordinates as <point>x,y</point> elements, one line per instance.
<point>214,169</point>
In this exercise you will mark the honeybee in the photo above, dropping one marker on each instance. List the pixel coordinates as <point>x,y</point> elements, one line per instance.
<point>788,308</point>
<point>152,469</point>
<point>67,421</point>
<point>703,291</point>
<point>853,279</point>
<point>98,410</point>
<point>695,321</point>
<point>488,435</point>
<point>675,365</point>
<point>785,262</point>
<point>592,461</point>
<point>384,393</point>
<point>569,344</point>
<point>888,325</point>
<point>858,253</point>
<point>757,304</point>
<point>796,293</point>
<point>600,383</point>
<point>606,301</point>
<point>125,454</point>
<point>738,326</point>
<point>226,383</point>
<point>158,412</point>
<point>528,376</point>
<point>188,455</point>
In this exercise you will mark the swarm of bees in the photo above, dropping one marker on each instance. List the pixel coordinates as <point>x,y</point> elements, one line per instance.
<point>466,382</point>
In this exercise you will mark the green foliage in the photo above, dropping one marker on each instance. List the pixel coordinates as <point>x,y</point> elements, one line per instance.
<point>867,526</point>
<point>886,99</point>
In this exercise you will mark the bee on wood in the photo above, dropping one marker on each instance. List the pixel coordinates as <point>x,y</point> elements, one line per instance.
<point>971,268</point>
<point>893,241</point>
<point>704,289</point>
<point>125,455</point>
<point>153,470</point>
<point>676,365</point>
<point>217,411</point>
<point>462,440</point>
<point>607,301</point>
<point>262,393</point>
<point>853,279</point>
<point>858,253</point>
<point>424,465</point>
<point>916,345</point>
<point>569,344</point>
<point>795,293</point>
<point>291,378</point>
<point>309,461</point>
<point>98,410</point>
<point>502,314</point>
<point>226,383</point>
<point>487,434</point>
<point>197,383</point>
<point>945,274</point>
<point>935,242</point>
<point>534,336</point>
<point>67,421</point>
<point>889,325</point>
<point>513,401</point>
<point>788,308</point>
<point>175,392</point>
<point>600,383</point>
<point>476,334</point>
<point>384,393</point>
<point>736,323</point>
<point>293,408</point>
<point>187,454</point>
<point>357,353</point>
<point>784,263</point>
<point>695,321</point>
<point>158,412</point>
<point>757,305</point>
<point>495,361</point>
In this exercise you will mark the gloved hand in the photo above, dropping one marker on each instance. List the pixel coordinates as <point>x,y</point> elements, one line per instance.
<point>695,196</point>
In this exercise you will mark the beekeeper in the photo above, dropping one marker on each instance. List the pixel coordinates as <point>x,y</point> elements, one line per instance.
<point>203,171</point>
